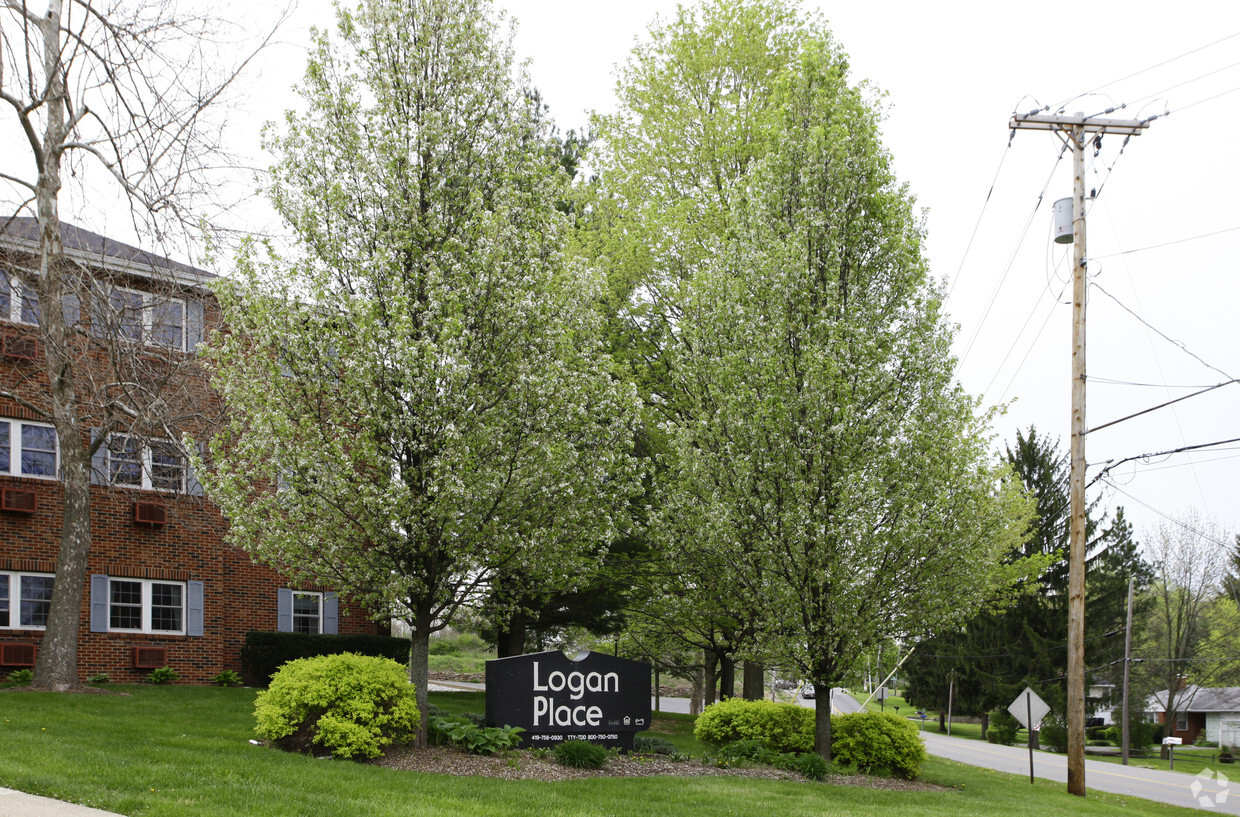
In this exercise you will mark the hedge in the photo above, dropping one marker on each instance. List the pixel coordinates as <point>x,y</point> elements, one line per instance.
<point>265,652</point>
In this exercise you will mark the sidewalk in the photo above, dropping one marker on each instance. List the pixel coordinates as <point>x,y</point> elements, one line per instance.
<point>20,804</point>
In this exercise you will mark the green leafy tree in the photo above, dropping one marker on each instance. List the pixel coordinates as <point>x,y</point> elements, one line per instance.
<point>824,452</point>
<point>418,398</point>
<point>1001,650</point>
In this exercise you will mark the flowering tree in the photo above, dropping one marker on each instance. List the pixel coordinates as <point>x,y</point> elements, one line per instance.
<point>418,398</point>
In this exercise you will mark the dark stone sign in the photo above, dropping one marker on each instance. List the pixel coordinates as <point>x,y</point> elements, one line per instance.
<point>594,697</point>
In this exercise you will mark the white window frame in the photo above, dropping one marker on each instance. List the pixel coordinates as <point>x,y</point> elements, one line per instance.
<point>146,464</point>
<point>17,297</point>
<point>149,306</point>
<point>14,599</point>
<point>147,606</point>
<point>318,615</point>
<point>15,449</point>
<point>1181,722</point>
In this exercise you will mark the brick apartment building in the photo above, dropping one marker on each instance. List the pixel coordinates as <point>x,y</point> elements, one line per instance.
<point>163,589</point>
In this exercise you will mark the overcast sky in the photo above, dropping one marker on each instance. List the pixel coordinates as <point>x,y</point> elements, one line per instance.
<point>1161,320</point>
<point>1163,234</point>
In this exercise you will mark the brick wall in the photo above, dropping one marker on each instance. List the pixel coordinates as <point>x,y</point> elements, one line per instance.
<point>238,595</point>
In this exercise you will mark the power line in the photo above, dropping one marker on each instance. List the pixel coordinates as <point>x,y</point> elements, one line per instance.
<point>1166,243</point>
<point>1149,68</point>
<point>1179,344</point>
<point>1167,516</point>
<point>1012,259</point>
<point>952,287</point>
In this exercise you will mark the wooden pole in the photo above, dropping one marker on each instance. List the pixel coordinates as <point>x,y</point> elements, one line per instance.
<point>1076,545</point>
<point>1124,743</point>
<point>1073,128</point>
<point>951,687</point>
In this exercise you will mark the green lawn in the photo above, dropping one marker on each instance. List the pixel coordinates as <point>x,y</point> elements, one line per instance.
<point>173,751</point>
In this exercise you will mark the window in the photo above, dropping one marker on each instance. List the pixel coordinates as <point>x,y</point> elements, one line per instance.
<point>301,611</point>
<point>25,600</point>
<point>143,317</point>
<point>306,612</point>
<point>28,449</point>
<point>127,605</point>
<point>146,606</point>
<point>1181,722</point>
<point>18,303</point>
<point>158,465</point>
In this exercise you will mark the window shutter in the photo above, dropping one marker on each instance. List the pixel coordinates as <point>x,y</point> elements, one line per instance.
<point>98,603</point>
<point>71,307</point>
<point>98,460</point>
<point>193,623</point>
<point>284,611</point>
<point>195,324</point>
<point>192,486</point>
<point>331,614</point>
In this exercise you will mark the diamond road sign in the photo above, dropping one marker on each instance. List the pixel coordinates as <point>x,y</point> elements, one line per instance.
<point>1028,708</point>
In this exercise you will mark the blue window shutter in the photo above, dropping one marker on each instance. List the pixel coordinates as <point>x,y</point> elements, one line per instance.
<point>284,611</point>
<point>98,460</point>
<point>194,324</point>
<point>192,486</point>
<point>98,603</point>
<point>71,307</point>
<point>193,624</point>
<point>331,614</point>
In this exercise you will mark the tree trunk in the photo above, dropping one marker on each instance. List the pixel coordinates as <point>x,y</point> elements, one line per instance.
<point>985,724</point>
<point>510,640</point>
<point>419,652</point>
<point>942,720</point>
<point>695,702</point>
<point>822,728</point>
<point>56,667</point>
<point>709,661</point>
<point>727,677</point>
<point>752,686</point>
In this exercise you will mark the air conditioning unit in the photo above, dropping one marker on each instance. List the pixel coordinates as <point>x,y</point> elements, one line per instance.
<point>17,654</point>
<point>19,500</point>
<point>150,657</point>
<point>23,348</point>
<point>150,513</point>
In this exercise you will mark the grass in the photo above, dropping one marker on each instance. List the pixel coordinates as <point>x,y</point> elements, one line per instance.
<point>178,751</point>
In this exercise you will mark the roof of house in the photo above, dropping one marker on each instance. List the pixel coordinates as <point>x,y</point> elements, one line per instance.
<point>1193,698</point>
<point>22,232</point>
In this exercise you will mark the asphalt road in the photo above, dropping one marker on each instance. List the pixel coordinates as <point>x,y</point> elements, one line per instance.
<point>1175,788</point>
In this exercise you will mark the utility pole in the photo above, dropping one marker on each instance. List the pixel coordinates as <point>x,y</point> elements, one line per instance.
<point>1074,130</point>
<point>1125,742</point>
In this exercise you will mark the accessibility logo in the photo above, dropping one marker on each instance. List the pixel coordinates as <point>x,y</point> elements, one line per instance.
<point>1207,799</point>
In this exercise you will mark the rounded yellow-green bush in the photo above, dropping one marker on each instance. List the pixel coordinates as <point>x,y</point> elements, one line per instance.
<point>876,741</point>
<point>778,727</point>
<point>349,704</point>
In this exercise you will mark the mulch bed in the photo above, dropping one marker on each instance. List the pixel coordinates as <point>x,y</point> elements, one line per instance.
<point>525,766</point>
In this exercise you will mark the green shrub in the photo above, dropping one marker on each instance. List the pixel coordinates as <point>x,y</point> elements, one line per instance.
<point>21,676</point>
<point>648,745</point>
<point>162,675</point>
<point>1095,733</point>
<point>479,740</point>
<point>581,754</point>
<point>443,646</point>
<point>1002,728</point>
<point>265,652</point>
<point>99,678</point>
<point>1053,736</point>
<point>1114,734</point>
<point>348,704</point>
<point>226,678</point>
<point>811,766</point>
<point>778,727</point>
<point>746,750</point>
<point>875,741</point>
